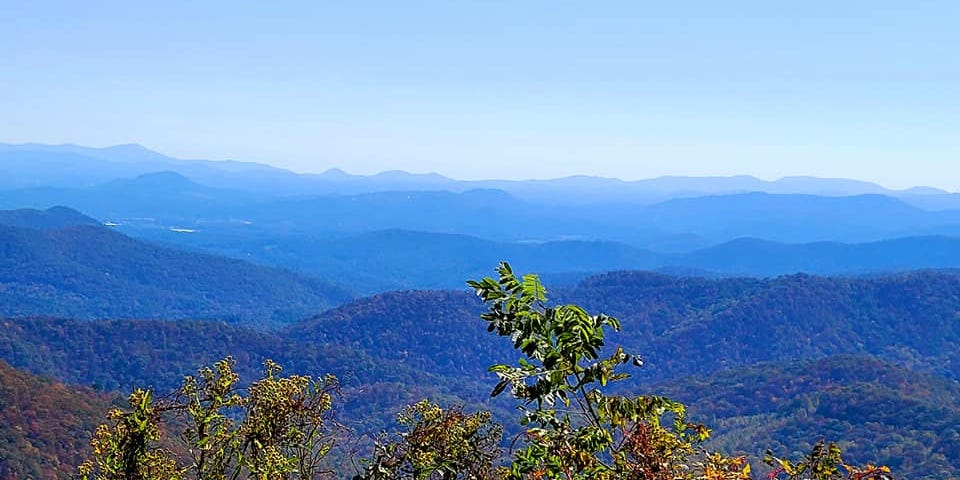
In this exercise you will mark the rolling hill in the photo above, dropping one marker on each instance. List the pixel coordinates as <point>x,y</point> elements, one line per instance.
<point>797,218</point>
<point>878,412</point>
<point>775,362</point>
<point>755,257</point>
<point>682,326</point>
<point>49,219</point>
<point>92,272</point>
<point>386,260</point>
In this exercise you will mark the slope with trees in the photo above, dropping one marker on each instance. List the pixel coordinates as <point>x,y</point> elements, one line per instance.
<point>571,427</point>
<point>875,410</point>
<point>45,426</point>
<point>394,349</point>
<point>93,272</point>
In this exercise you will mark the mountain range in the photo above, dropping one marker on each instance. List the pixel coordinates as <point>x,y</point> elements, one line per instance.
<point>68,165</point>
<point>379,261</point>
<point>124,267</point>
<point>150,195</point>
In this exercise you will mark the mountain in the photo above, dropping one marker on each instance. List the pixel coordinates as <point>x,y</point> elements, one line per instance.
<point>751,256</point>
<point>45,426</point>
<point>114,355</point>
<point>71,166</point>
<point>585,190</point>
<point>797,218</point>
<point>129,153</point>
<point>150,205</point>
<point>682,326</point>
<point>49,219</point>
<point>381,260</point>
<point>933,200</point>
<point>490,214</point>
<point>170,196</point>
<point>688,326</point>
<point>402,259</point>
<point>449,335</point>
<point>93,272</point>
<point>158,200</point>
<point>878,412</point>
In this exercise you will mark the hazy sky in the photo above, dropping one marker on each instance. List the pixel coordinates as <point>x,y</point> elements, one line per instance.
<point>511,89</point>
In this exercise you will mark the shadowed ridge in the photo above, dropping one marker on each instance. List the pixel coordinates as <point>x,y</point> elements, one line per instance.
<point>49,219</point>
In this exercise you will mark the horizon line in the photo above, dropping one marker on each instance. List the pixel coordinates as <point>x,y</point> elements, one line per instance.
<point>341,170</point>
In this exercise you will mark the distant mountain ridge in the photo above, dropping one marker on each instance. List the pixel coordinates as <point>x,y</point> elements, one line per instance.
<point>29,165</point>
<point>383,260</point>
<point>751,256</point>
<point>376,236</point>
<point>400,259</point>
<point>168,199</point>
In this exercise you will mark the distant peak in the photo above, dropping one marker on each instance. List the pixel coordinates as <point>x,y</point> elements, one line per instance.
<point>130,146</point>
<point>403,174</point>
<point>162,179</point>
<point>489,193</point>
<point>335,172</point>
<point>62,210</point>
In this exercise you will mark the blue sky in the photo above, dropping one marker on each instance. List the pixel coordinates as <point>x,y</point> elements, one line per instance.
<point>488,89</point>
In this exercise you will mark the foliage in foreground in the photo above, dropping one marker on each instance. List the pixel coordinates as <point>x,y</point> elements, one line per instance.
<point>281,428</point>
<point>572,429</point>
<point>576,431</point>
<point>437,444</point>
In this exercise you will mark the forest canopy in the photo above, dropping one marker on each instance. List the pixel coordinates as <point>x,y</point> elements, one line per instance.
<point>570,425</point>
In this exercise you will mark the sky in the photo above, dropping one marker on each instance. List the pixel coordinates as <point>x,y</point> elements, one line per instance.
<point>498,89</point>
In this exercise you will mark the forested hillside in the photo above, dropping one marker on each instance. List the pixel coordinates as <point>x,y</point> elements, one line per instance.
<point>45,426</point>
<point>92,272</point>
<point>696,326</point>
<point>51,218</point>
<point>113,355</point>
<point>873,409</point>
<point>393,349</point>
<point>683,325</point>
